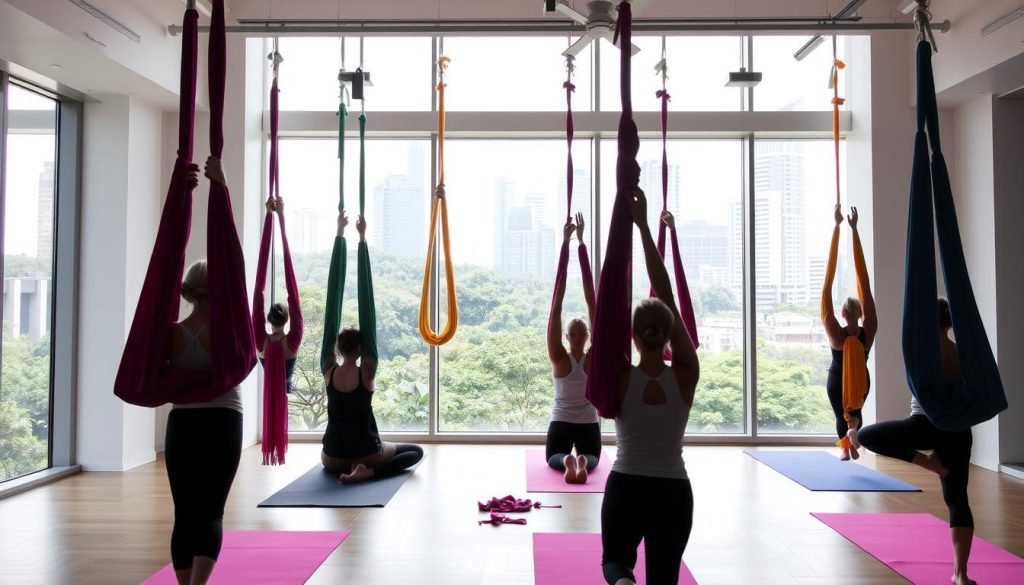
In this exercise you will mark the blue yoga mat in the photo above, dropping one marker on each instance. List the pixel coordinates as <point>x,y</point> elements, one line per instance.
<point>820,472</point>
<point>318,489</point>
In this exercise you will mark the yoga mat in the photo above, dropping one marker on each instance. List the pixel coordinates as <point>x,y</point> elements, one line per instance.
<point>564,558</point>
<point>917,546</point>
<point>319,489</point>
<point>542,478</point>
<point>264,557</point>
<point>820,472</point>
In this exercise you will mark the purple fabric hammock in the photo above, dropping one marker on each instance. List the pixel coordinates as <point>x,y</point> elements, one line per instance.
<point>144,377</point>
<point>275,377</point>
<point>610,350</point>
<point>685,302</point>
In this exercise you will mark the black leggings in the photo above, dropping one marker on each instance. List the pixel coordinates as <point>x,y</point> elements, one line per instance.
<point>405,456</point>
<point>563,435</point>
<point>903,439</point>
<point>202,450</point>
<point>834,388</point>
<point>658,511</point>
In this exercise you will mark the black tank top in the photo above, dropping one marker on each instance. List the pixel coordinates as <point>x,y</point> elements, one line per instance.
<point>837,354</point>
<point>351,427</point>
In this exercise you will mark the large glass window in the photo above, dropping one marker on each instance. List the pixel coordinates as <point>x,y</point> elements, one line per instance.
<point>698,68</point>
<point>793,85</point>
<point>399,67</point>
<point>507,202</point>
<point>28,248</point>
<point>397,210</point>
<point>705,191</point>
<point>794,183</point>
<point>498,74</point>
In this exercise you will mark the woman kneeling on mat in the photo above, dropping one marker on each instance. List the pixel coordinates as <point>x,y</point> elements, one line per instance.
<point>848,382</point>
<point>574,421</point>
<point>648,495</point>
<point>950,456</point>
<point>352,445</point>
<point>203,444</point>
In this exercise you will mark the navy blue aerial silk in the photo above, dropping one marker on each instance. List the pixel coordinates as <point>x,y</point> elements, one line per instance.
<point>978,396</point>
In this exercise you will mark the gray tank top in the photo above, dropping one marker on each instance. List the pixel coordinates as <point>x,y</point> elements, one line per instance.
<point>195,357</point>
<point>650,436</point>
<point>571,404</point>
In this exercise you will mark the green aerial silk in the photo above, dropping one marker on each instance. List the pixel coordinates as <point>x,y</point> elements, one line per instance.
<point>339,261</point>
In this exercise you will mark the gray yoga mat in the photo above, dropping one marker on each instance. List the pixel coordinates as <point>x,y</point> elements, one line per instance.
<point>319,489</point>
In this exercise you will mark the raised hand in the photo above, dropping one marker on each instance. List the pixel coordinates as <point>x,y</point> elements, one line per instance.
<point>638,207</point>
<point>271,205</point>
<point>668,219</point>
<point>214,170</point>
<point>579,226</point>
<point>361,226</point>
<point>439,191</point>
<point>853,217</point>
<point>838,214</point>
<point>342,222</point>
<point>192,172</point>
<point>567,231</point>
<point>279,205</point>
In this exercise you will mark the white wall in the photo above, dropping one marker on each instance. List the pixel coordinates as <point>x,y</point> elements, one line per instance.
<point>121,173</point>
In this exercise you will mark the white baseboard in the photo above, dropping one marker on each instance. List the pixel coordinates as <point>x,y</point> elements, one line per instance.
<point>1013,469</point>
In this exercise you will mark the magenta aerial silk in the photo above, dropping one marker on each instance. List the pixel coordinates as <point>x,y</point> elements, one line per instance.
<point>611,346</point>
<point>144,377</point>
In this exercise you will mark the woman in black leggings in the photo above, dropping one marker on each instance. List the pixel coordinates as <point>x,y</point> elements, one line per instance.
<point>950,455</point>
<point>204,440</point>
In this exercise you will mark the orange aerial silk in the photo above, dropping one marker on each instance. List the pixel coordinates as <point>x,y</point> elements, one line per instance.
<point>440,205</point>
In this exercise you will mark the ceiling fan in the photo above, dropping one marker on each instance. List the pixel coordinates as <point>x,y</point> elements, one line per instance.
<point>598,22</point>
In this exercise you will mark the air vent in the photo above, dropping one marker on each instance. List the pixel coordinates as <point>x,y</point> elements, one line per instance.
<point>107,20</point>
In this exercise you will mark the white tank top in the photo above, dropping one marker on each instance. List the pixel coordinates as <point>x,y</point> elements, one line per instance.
<point>650,436</point>
<point>195,357</point>
<point>571,404</point>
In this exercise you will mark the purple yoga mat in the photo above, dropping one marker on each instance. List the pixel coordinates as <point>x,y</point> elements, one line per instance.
<point>264,557</point>
<point>917,546</point>
<point>542,478</point>
<point>564,558</point>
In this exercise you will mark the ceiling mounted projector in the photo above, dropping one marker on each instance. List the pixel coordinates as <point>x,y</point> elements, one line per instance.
<point>743,78</point>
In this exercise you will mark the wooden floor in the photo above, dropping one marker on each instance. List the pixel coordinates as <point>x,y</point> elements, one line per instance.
<point>751,524</point>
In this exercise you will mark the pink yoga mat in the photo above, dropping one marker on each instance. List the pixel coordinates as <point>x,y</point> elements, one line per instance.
<point>917,546</point>
<point>261,557</point>
<point>542,478</point>
<point>564,558</point>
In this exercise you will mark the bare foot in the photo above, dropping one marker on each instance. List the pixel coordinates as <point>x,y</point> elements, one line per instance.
<point>962,580</point>
<point>359,473</point>
<point>933,463</point>
<point>571,473</point>
<point>581,469</point>
<point>854,453</point>
<point>844,455</point>
<point>852,436</point>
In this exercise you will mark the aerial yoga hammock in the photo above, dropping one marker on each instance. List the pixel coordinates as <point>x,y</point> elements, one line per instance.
<point>440,205</point>
<point>275,373</point>
<point>339,255</point>
<point>144,377</point>
<point>611,329</point>
<point>685,302</point>
<point>950,404</point>
<point>854,379</point>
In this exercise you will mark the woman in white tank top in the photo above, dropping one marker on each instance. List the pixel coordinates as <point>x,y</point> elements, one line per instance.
<point>648,495</point>
<point>574,422</point>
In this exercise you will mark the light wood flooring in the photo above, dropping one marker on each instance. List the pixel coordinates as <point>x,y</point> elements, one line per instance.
<point>751,524</point>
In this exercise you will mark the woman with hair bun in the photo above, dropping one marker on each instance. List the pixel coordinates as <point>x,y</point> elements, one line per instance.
<point>648,495</point>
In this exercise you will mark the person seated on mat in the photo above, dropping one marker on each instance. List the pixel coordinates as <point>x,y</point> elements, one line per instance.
<point>948,456</point>
<point>277,317</point>
<point>203,440</point>
<point>351,446</point>
<point>574,421</point>
<point>847,420</point>
<point>648,495</point>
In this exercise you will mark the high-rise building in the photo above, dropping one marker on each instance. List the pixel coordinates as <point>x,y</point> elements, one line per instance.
<point>815,275</point>
<point>304,227</point>
<point>704,247</point>
<point>399,209</point>
<point>504,197</point>
<point>44,215</point>
<point>780,223</point>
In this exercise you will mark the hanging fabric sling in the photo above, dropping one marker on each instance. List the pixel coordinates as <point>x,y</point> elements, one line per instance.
<point>978,395</point>
<point>339,255</point>
<point>275,376</point>
<point>144,377</point>
<point>561,272</point>
<point>611,346</point>
<point>440,206</point>
<point>685,302</point>
<point>367,309</point>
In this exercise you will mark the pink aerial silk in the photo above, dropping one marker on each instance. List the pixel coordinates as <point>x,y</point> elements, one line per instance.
<point>610,351</point>
<point>275,382</point>
<point>510,504</point>
<point>144,377</point>
<point>685,302</point>
<point>497,519</point>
